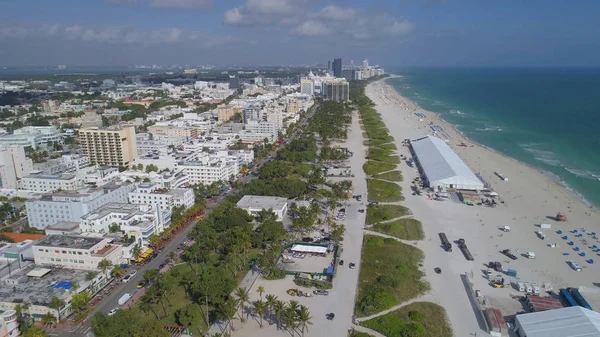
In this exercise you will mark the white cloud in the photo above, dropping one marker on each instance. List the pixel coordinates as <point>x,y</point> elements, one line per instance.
<point>110,35</point>
<point>337,13</point>
<point>396,27</point>
<point>310,28</point>
<point>266,12</point>
<point>187,4</point>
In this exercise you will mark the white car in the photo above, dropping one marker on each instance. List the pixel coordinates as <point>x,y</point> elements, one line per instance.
<point>132,274</point>
<point>575,266</point>
<point>126,278</point>
<point>112,312</point>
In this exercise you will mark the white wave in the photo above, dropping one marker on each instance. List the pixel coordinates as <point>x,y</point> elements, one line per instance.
<point>581,173</point>
<point>549,161</point>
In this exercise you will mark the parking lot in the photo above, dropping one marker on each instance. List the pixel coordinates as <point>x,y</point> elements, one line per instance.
<point>309,264</point>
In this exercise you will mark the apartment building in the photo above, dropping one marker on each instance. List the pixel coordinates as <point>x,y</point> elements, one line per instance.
<point>336,90</point>
<point>9,327</point>
<point>173,135</point>
<point>75,252</point>
<point>226,112</point>
<point>72,205</point>
<point>269,128</point>
<point>166,199</point>
<point>37,181</point>
<point>109,146</point>
<point>143,220</point>
<point>14,165</point>
<point>209,169</point>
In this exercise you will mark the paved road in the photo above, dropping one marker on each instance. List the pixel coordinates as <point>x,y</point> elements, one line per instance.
<point>110,301</point>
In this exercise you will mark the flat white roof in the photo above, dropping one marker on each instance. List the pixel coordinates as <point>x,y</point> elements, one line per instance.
<point>565,322</point>
<point>309,249</point>
<point>261,202</point>
<point>39,272</point>
<point>439,162</point>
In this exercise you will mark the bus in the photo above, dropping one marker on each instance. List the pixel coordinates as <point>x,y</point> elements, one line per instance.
<point>570,301</point>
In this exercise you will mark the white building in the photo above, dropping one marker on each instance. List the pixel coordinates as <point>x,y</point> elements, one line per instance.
<point>42,183</point>
<point>72,205</point>
<point>14,165</point>
<point>144,220</point>
<point>33,136</point>
<point>307,87</point>
<point>75,252</point>
<point>565,322</point>
<point>253,204</point>
<point>166,199</point>
<point>441,167</point>
<point>208,170</point>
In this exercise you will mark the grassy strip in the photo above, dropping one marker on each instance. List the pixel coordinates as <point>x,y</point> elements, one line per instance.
<point>390,176</point>
<point>360,334</point>
<point>379,213</point>
<point>406,229</point>
<point>388,159</point>
<point>389,275</point>
<point>388,146</point>
<point>424,319</point>
<point>372,167</point>
<point>383,191</point>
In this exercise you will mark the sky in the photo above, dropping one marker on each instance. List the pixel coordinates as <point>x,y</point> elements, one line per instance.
<point>291,32</point>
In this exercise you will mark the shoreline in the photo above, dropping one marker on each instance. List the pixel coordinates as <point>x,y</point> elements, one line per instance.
<point>549,175</point>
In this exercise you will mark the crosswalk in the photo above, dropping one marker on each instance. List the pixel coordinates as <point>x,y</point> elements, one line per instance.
<point>82,330</point>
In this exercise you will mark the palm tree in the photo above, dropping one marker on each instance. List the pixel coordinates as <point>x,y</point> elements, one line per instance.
<point>56,303</point>
<point>227,311</point>
<point>290,319</point>
<point>243,296</point>
<point>270,302</point>
<point>117,271</point>
<point>74,286</point>
<point>25,307</point>
<point>154,240</point>
<point>172,256</point>
<point>259,307</point>
<point>137,251</point>
<point>304,318</point>
<point>151,275</point>
<point>279,308</point>
<point>103,265</point>
<point>260,290</point>
<point>48,318</point>
<point>146,305</point>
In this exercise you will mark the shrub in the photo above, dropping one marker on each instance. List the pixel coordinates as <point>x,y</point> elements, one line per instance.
<point>377,302</point>
<point>416,316</point>
<point>313,283</point>
<point>275,274</point>
<point>386,280</point>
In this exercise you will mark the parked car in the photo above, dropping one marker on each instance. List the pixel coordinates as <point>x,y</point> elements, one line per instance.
<point>362,210</point>
<point>132,274</point>
<point>438,270</point>
<point>141,284</point>
<point>352,265</point>
<point>575,266</point>
<point>112,312</point>
<point>126,278</point>
<point>321,292</point>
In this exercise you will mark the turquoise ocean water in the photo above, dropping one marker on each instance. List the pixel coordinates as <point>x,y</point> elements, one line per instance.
<point>546,118</point>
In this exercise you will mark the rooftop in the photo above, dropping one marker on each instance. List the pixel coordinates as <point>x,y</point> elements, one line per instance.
<point>51,176</point>
<point>261,202</point>
<point>128,209</point>
<point>20,237</point>
<point>564,322</point>
<point>66,241</point>
<point>20,288</point>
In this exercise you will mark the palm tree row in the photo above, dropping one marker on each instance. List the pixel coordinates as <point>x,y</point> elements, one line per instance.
<point>290,316</point>
<point>157,294</point>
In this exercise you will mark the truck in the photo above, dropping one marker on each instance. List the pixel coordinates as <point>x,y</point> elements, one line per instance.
<point>463,247</point>
<point>509,254</point>
<point>445,242</point>
<point>541,235</point>
<point>124,298</point>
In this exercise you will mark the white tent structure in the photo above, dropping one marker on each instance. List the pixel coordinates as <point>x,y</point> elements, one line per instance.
<point>441,167</point>
<point>309,249</point>
<point>564,322</point>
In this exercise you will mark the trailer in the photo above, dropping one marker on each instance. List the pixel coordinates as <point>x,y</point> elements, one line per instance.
<point>579,298</point>
<point>445,242</point>
<point>568,299</point>
<point>463,247</point>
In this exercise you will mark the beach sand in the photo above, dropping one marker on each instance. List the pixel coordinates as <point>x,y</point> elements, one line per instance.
<point>529,198</point>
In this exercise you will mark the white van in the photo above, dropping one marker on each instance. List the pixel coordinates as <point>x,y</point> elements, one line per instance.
<point>520,286</point>
<point>545,225</point>
<point>530,255</point>
<point>528,288</point>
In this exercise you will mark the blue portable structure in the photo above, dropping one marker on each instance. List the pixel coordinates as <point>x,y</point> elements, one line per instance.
<point>511,272</point>
<point>566,296</point>
<point>579,298</point>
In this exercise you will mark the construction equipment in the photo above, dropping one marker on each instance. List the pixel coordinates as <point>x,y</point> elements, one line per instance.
<point>463,247</point>
<point>509,254</point>
<point>293,292</point>
<point>497,282</point>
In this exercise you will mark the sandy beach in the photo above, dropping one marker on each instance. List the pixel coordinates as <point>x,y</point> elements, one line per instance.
<point>529,198</point>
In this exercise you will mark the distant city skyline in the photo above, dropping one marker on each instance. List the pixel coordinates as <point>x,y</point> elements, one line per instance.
<point>280,32</point>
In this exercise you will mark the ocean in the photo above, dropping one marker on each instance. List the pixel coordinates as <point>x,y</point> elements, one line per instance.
<point>546,118</point>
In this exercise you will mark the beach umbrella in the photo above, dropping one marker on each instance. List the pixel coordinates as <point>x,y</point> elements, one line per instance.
<point>590,261</point>
<point>576,249</point>
<point>566,254</point>
<point>559,231</point>
<point>565,237</point>
<point>582,254</point>
<point>571,243</point>
<point>575,231</point>
<point>593,233</point>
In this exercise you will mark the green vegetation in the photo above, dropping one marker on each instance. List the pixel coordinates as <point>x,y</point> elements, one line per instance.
<point>387,146</point>
<point>389,275</point>
<point>373,167</point>
<point>331,120</point>
<point>390,176</point>
<point>422,319</point>
<point>406,229</point>
<point>383,191</point>
<point>379,213</point>
<point>360,334</point>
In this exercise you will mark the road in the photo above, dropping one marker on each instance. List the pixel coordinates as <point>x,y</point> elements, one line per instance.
<point>110,301</point>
